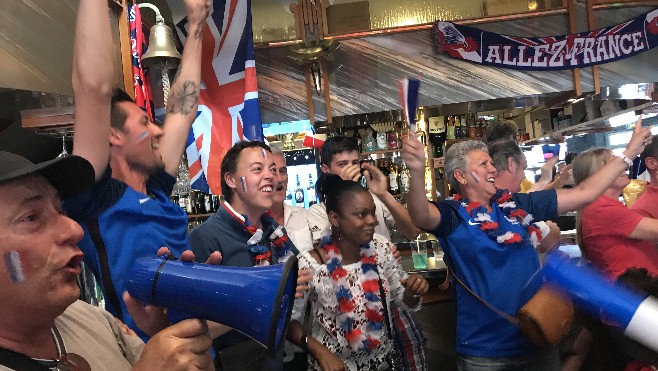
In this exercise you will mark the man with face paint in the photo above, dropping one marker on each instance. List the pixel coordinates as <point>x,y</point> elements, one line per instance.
<point>127,214</point>
<point>42,324</point>
<point>246,235</point>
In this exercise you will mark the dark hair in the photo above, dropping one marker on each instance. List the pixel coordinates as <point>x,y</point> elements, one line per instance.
<point>501,129</point>
<point>332,189</point>
<point>569,157</point>
<point>501,150</point>
<point>117,115</point>
<point>639,280</point>
<point>337,144</point>
<point>230,162</point>
<point>651,150</point>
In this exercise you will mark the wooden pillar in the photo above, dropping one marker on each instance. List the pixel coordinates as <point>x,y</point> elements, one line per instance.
<point>591,24</point>
<point>575,73</point>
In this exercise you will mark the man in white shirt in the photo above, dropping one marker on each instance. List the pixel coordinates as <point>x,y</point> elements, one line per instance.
<point>340,156</point>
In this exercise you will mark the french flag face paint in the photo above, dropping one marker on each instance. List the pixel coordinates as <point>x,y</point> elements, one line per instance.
<point>243,181</point>
<point>143,136</point>
<point>262,151</point>
<point>475,177</point>
<point>14,265</point>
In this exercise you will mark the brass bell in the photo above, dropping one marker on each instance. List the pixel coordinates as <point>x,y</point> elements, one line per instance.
<point>161,51</point>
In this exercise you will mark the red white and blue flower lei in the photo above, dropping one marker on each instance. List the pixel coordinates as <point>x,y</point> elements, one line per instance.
<point>368,338</point>
<point>503,198</point>
<point>262,253</point>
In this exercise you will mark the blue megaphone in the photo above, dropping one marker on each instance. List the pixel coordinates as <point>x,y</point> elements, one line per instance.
<point>257,301</point>
<point>636,315</point>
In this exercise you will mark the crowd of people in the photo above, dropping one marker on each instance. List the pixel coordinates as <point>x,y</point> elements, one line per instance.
<point>108,204</point>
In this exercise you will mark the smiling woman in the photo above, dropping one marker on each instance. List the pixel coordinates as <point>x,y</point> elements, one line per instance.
<point>356,279</point>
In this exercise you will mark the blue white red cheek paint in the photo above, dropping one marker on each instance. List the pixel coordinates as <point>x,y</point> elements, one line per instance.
<point>262,151</point>
<point>243,180</point>
<point>475,177</point>
<point>143,136</point>
<point>14,266</point>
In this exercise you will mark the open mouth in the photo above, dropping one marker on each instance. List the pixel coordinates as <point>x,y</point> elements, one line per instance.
<point>279,187</point>
<point>74,262</point>
<point>490,180</point>
<point>267,189</point>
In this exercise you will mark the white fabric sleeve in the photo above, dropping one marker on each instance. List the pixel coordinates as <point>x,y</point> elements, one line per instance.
<point>299,306</point>
<point>317,220</point>
<point>394,273</point>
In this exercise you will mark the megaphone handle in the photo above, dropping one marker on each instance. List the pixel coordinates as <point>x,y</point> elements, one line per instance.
<point>175,316</point>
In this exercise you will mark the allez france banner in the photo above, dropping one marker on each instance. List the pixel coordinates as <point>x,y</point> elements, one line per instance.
<point>551,52</point>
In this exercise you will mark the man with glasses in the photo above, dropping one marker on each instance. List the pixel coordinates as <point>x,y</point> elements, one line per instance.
<point>339,155</point>
<point>42,324</point>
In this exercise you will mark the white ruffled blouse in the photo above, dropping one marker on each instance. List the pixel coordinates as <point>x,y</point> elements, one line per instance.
<point>324,306</point>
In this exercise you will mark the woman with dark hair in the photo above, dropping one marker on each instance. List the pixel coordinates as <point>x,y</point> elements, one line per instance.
<point>346,318</point>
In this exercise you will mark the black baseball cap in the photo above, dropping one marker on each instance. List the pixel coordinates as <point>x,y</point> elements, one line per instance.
<point>69,175</point>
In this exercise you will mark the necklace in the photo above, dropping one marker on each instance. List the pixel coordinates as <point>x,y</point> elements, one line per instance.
<point>503,199</point>
<point>261,254</point>
<point>368,338</point>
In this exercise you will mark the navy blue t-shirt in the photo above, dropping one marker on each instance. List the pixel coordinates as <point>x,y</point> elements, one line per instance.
<point>132,225</point>
<point>500,274</point>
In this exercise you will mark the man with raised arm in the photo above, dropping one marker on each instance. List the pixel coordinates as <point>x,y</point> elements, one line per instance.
<point>127,214</point>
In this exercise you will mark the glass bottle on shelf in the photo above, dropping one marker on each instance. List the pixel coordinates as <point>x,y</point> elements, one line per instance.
<point>472,126</point>
<point>382,140</point>
<point>370,142</point>
<point>310,191</point>
<point>356,134</point>
<point>393,179</point>
<point>450,132</point>
<point>299,193</point>
<point>392,137</point>
<point>404,178</point>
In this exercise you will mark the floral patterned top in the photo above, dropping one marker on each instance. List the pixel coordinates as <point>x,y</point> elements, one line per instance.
<point>324,306</point>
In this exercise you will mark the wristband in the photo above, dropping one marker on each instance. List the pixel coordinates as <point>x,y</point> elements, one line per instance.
<point>627,160</point>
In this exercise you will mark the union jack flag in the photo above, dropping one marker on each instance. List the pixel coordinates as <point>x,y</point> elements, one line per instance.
<point>228,106</point>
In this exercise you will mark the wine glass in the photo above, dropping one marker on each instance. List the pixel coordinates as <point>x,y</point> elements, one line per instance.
<point>64,153</point>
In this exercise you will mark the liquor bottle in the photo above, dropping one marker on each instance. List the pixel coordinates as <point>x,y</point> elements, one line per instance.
<point>370,142</point>
<point>472,126</point>
<point>201,203</point>
<point>420,126</point>
<point>382,140</point>
<point>437,134</point>
<point>310,191</point>
<point>450,133</point>
<point>191,202</point>
<point>404,178</point>
<point>392,137</point>
<point>299,193</point>
<point>393,179</point>
<point>356,134</point>
<point>207,199</point>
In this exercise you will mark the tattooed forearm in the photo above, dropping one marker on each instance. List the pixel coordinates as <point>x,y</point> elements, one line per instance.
<point>199,29</point>
<point>184,99</point>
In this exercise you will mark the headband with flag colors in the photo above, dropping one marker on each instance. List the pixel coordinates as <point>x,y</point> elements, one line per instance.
<point>408,91</point>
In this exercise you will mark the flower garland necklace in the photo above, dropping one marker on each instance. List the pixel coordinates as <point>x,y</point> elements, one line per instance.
<point>503,198</point>
<point>262,253</point>
<point>368,339</point>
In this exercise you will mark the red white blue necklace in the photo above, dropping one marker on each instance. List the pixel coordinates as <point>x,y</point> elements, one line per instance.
<point>261,254</point>
<point>503,198</point>
<point>368,337</point>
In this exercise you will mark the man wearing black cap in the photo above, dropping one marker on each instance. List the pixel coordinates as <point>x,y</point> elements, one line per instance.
<point>127,214</point>
<point>42,324</point>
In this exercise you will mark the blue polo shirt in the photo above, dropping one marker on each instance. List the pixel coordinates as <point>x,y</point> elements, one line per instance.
<point>132,225</point>
<point>500,274</point>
